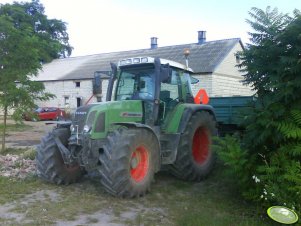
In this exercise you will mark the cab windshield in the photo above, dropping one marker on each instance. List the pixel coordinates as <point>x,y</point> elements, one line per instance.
<point>136,84</point>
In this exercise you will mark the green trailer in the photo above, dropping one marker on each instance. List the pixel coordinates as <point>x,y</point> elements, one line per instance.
<point>229,112</point>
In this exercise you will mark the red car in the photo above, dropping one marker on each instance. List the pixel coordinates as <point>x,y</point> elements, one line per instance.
<point>47,113</point>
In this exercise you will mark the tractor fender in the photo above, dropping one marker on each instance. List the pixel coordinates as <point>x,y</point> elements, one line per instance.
<point>140,125</point>
<point>192,109</point>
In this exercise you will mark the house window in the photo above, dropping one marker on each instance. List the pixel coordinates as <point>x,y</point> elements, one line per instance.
<point>77,84</point>
<point>237,58</point>
<point>66,100</point>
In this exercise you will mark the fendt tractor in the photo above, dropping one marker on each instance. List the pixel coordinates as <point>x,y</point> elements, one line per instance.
<point>150,121</point>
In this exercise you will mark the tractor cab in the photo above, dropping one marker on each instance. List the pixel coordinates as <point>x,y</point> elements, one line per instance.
<point>160,84</point>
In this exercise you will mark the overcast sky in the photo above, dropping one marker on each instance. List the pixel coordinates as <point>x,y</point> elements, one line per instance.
<point>99,26</point>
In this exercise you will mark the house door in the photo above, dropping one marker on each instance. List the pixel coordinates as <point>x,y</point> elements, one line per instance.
<point>78,101</point>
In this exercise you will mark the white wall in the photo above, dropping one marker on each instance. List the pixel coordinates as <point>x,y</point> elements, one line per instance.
<point>68,88</point>
<point>205,82</point>
<point>219,85</point>
<point>227,78</point>
<point>228,64</point>
<point>216,84</point>
<point>225,85</point>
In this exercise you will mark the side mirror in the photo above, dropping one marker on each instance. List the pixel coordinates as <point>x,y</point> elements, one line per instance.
<point>97,80</point>
<point>165,73</point>
<point>193,80</point>
<point>114,70</point>
<point>97,87</point>
<point>111,81</point>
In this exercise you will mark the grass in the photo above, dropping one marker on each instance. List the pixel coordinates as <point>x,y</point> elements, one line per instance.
<point>13,189</point>
<point>15,127</point>
<point>171,202</point>
<point>212,202</point>
<point>26,153</point>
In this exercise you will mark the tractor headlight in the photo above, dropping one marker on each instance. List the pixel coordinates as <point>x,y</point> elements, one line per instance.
<point>86,129</point>
<point>72,128</point>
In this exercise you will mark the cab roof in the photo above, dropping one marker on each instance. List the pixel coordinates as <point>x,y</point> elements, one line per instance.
<point>151,60</point>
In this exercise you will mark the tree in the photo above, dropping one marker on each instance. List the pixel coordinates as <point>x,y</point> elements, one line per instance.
<point>272,65</point>
<point>27,38</point>
<point>270,169</point>
<point>53,39</point>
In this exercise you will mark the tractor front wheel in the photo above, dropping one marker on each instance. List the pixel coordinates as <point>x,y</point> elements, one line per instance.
<point>128,162</point>
<point>50,165</point>
<point>195,157</point>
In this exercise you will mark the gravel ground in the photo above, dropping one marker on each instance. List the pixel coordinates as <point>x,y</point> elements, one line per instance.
<point>16,165</point>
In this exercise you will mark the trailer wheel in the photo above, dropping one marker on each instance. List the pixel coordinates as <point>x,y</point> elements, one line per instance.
<point>50,165</point>
<point>195,158</point>
<point>128,162</point>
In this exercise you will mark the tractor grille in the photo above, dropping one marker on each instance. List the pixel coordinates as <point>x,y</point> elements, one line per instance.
<point>80,117</point>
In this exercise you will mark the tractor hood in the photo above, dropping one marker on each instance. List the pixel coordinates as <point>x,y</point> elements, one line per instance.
<point>97,119</point>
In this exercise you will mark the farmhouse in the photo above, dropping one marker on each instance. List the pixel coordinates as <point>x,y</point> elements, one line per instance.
<point>213,62</point>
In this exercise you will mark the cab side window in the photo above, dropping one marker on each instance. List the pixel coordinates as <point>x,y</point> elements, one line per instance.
<point>169,96</point>
<point>187,88</point>
<point>170,90</point>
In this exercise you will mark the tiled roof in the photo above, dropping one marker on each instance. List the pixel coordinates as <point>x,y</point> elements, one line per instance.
<point>203,58</point>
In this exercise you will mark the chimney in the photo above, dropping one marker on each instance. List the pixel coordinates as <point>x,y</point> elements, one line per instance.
<point>154,43</point>
<point>201,37</point>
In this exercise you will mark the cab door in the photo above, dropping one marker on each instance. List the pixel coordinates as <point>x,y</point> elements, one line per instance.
<point>170,96</point>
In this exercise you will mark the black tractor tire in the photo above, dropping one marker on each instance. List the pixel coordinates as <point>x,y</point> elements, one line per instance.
<point>128,162</point>
<point>195,157</point>
<point>49,162</point>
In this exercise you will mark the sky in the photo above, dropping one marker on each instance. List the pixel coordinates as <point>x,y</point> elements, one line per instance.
<point>100,26</point>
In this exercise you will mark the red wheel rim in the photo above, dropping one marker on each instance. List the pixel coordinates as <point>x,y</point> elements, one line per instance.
<point>200,145</point>
<point>139,163</point>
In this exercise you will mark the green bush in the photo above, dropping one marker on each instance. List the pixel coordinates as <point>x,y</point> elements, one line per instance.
<point>272,177</point>
<point>234,159</point>
<point>266,160</point>
<point>281,173</point>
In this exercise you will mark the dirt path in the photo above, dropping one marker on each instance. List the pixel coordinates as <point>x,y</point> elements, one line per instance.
<point>30,137</point>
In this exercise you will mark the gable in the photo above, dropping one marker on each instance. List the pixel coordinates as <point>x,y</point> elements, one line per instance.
<point>228,64</point>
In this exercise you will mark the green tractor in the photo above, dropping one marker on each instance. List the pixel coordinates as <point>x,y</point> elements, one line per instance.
<point>149,121</point>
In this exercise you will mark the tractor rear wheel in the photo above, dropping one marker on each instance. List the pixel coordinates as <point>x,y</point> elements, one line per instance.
<point>195,158</point>
<point>128,162</point>
<point>50,165</point>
